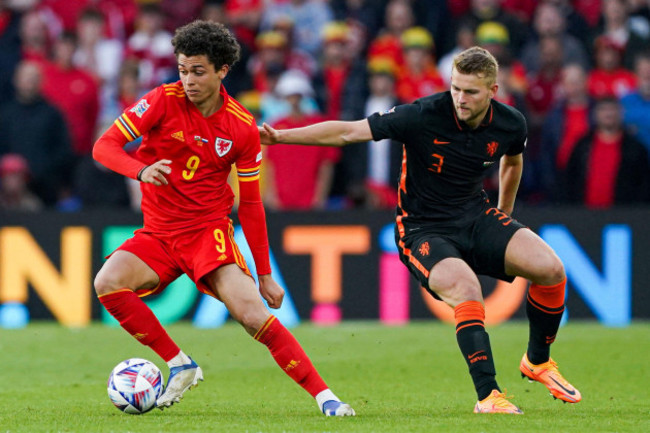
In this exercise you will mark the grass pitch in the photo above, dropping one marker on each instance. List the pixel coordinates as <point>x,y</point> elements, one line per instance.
<point>398,379</point>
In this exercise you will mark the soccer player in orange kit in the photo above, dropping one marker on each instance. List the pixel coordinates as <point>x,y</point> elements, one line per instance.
<point>192,132</point>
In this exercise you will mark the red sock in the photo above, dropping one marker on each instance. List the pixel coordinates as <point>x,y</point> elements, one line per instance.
<point>138,320</point>
<point>287,352</point>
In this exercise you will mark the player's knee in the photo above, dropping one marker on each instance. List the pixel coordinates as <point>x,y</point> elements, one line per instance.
<point>105,284</point>
<point>553,271</point>
<point>250,317</point>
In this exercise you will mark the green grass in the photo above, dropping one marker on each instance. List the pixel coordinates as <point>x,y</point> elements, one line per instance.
<point>399,379</point>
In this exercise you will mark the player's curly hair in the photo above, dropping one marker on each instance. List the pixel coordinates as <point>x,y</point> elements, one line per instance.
<point>477,61</point>
<point>207,38</point>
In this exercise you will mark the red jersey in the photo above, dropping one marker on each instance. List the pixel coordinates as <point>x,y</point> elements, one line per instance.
<point>202,151</point>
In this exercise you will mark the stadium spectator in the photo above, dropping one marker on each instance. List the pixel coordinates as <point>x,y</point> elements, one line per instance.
<point>608,77</point>
<point>491,10</point>
<point>575,23</point>
<point>74,92</point>
<point>63,15</point>
<point>388,42</point>
<point>14,185</point>
<point>418,76</point>
<point>309,17</point>
<point>151,46</point>
<point>35,41</point>
<point>371,169</point>
<point>367,15</point>
<point>10,47</point>
<point>550,22</point>
<point>609,166</point>
<point>334,68</point>
<point>636,105</point>
<point>464,40</point>
<point>543,86</point>
<point>298,180</point>
<point>244,17</point>
<point>494,37</point>
<point>98,54</point>
<point>274,53</point>
<point>630,35</point>
<point>33,128</point>
<point>178,13</point>
<point>435,17</point>
<point>566,123</point>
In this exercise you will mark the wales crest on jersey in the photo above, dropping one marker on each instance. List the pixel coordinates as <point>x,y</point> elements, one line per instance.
<point>222,146</point>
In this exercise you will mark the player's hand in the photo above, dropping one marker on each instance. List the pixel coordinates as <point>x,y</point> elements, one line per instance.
<point>271,291</point>
<point>268,135</point>
<point>155,173</point>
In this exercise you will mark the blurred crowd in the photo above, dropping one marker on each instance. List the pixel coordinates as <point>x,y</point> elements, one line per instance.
<point>579,70</point>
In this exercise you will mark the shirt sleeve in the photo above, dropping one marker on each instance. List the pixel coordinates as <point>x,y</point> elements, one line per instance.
<point>251,211</point>
<point>522,138</point>
<point>398,123</point>
<point>136,120</point>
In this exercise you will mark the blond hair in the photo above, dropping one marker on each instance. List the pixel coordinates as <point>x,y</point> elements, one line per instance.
<point>477,61</point>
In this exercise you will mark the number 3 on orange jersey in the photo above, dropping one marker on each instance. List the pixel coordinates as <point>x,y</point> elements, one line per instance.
<point>221,240</point>
<point>192,165</point>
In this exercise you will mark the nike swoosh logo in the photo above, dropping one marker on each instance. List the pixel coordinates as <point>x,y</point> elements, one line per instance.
<point>565,390</point>
<point>474,354</point>
<point>436,141</point>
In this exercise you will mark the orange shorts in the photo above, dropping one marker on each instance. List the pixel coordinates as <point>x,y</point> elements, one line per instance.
<point>195,252</point>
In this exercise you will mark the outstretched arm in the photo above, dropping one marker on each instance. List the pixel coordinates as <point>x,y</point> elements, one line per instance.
<point>330,133</point>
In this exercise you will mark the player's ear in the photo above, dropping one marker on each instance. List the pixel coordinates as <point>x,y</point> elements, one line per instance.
<point>493,90</point>
<point>223,71</point>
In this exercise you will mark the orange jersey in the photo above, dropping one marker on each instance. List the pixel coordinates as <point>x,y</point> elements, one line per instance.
<point>202,151</point>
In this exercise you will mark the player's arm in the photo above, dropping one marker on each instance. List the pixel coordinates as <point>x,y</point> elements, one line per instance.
<point>109,151</point>
<point>510,171</point>
<point>330,133</point>
<point>253,222</point>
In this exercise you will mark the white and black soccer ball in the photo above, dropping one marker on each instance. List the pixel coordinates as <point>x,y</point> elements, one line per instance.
<point>134,385</point>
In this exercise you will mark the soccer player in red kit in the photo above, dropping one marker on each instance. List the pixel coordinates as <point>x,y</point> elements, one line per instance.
<point>192,132</point>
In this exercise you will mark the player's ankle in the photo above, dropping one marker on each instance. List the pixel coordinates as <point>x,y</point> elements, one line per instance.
<point>178,360</point>
<point>323,396</point>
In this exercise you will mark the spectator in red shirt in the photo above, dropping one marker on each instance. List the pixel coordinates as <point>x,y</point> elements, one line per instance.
<point>565,124</point>
<point>609,77</point>
<point>334,68</point>
<point>151,46</point>
<point>35,43</point>
<point>244,16</point>
<point>14,185</point>
<point>543,89</point>
<point>419,76</point>
<point>298,178</point>
<point>398,18</point>
<point>609,166</point>
<point>74,92</point>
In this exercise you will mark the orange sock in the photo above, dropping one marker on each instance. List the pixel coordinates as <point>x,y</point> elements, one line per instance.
<point>544,308</point>
<point>474,344</point>
<point>139,321</point>
<point>287,352</point>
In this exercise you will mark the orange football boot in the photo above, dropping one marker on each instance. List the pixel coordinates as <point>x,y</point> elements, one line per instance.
<point>548,374</point>
<point>496,402</point>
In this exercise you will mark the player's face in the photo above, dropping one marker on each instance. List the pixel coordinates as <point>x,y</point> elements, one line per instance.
<point>201,81</point>
<point>472,96</point>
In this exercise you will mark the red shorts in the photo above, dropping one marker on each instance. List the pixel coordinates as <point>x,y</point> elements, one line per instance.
<point>195,252</point>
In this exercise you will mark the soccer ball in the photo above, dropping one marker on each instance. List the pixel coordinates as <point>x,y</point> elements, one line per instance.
<point>134,385</point>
